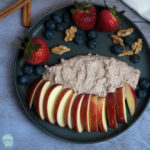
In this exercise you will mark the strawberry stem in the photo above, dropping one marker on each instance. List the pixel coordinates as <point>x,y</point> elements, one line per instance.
<point>116,14</point>
<point>105,3</point>
<point>29,47</point>
<point>81,7</point>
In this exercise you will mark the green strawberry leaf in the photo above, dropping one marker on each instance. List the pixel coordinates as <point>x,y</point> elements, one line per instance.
<point>28,47</point>
<point>116,14</point>
<point>18,46</point>
<point>81,7</point>
<point>20,39</point>
<point>36,48</point>
<point>76,4</point>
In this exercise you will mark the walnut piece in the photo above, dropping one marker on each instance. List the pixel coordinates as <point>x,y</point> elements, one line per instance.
<point>70,33</point>
<point>136,47</point>
<point>117,40</point>
<point>60,49</point>
<point>126,52</point>
<point>124,32</point>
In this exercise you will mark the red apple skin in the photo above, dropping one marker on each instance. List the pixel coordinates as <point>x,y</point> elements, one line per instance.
<point>93,113</point>
<point>46,101</point>
<point>111,110</point>
<point>32,92</point>
<point>100,112</point>
<point>74,111</point>
<point>36,101</point>
<point>119,105</point>
<point>67,108</point>
<point>84,111</point>
<point>58,102</point>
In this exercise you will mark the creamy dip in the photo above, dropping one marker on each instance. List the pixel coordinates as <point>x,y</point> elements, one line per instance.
<point>93,74</point>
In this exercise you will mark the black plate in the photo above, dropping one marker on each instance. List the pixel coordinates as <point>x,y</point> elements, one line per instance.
<point>103,48</point>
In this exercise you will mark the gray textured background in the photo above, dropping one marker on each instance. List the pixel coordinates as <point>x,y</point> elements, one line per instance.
<point>12,118</point>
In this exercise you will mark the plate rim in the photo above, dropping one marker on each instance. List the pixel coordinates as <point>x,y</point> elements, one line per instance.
<point>37,124</point>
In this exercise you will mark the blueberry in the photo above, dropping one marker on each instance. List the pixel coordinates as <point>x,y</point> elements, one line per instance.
<point>128,41</point>
<point>60,27</point>
<point>23,79</point>
<point>67,18</point>
<point>116,49</point>
<point>49,34</point>
<point>135,58</point>
<point>50,25</point>
<point>28,69</point>
<point>39,70</point>
<point>144,83</point>
<point>92,43</point>
<point>92,34</point>
<point>79,39</point>
<point>57,18</point>
<point>141,94</point>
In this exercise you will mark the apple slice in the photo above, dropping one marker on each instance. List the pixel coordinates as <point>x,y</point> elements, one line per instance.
<point>93,113</point>
<point>68,108</point>
<point>111,110</point>
<point>60,106</point>
<point>120,105</point>
<point>101,114</point>
<point>76,113</point>
<point>50,99</point>
<point>32,91</point>
<point>85,112</point>
<point>39,98</point>
<point>131,98</point>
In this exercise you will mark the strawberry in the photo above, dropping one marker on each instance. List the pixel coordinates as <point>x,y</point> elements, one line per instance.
<point>84,15</point>
<point>108,20</point>
<point>36,51</point>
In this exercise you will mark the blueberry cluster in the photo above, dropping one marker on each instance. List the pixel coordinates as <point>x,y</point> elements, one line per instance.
<point>30,70</point>
<point>144,85</point>
<point>92,42</point>
<point>55,23</point>
<point>91,36</point>
<point>117,49</point>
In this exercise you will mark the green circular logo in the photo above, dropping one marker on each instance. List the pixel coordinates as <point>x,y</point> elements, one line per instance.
<point>8,140</point>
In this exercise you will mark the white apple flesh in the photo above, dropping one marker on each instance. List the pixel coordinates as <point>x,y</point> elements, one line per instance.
<point>68,108</point>
<point>39,98</point>
<point>76,113</point>
<point>60,106</point>
<point>50,101</point>
<point>131,98</point>
<point>101,114</point>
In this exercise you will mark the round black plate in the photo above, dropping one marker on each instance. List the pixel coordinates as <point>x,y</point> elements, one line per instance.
<point>103,48</point>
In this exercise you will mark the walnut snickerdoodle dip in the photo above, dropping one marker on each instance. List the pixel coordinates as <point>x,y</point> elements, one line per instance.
<point>92,74</point>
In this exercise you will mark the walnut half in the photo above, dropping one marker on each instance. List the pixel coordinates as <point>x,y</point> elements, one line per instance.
<point>124,32</point>
<point>60,49</point>
<point>136,47</point>
<point>126,52</point>
<point>117,40</point>
<point>70,33</point>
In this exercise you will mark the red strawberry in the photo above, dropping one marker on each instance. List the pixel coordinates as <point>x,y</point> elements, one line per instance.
<point>108,20</point>
<point>41,55</point>
<point>84,15</point>
<point>36,51</point>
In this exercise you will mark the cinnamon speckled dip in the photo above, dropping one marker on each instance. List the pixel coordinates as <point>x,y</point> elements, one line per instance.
<point>93,74</point>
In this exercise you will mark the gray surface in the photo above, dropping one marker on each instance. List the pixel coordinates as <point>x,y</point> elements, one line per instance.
<point>12,118</point>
